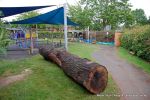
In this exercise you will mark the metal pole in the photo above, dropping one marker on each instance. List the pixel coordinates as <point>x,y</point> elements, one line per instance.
<point>65,26</point>
<point>88,35</point>
<point>37,31</point>
<point>37,37</point>
<point>31,42</point>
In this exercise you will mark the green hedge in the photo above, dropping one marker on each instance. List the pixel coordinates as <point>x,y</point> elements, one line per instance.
<point>50,34</point>
<point>45,32</point>
<point>4,39</point>
<point>137,40</point>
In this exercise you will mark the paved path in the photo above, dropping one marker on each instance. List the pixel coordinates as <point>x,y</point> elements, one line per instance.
<point>133,82</point>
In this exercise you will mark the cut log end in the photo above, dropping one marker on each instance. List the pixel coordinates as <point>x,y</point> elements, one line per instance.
<point>97,80</point>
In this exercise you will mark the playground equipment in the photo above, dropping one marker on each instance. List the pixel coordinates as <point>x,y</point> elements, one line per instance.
<point>56,17</point>
<point>25,39</point>
<point>22,37</point>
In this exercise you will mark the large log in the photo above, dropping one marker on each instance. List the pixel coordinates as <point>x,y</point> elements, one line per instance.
<point>92,76</point>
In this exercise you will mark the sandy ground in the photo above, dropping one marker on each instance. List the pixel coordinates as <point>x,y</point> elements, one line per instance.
<point>5,81</point>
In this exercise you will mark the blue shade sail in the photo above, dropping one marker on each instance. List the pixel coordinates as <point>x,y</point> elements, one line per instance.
<point>55,17</point>
<point>9,11</point>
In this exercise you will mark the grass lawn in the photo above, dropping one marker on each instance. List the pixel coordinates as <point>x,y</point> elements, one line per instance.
<point>140,63</point>
<point>48,81</point>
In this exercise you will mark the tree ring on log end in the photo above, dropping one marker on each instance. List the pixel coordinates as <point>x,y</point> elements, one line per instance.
<point>97,80</point>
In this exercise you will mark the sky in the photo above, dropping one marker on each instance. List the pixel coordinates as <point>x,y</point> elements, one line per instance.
<point>33,2</point>
<point>144,4</point>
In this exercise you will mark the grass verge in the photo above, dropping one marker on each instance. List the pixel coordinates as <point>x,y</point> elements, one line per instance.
<point>140,63</point>
<point>48,81</point>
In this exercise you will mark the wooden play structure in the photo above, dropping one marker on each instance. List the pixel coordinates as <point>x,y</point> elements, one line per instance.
<point>25,39</point>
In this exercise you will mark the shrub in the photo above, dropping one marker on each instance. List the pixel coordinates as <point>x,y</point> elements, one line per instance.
<point>50,34</point>
<point>4,39</point>
<point>137,40</point>
<point>3,51</point>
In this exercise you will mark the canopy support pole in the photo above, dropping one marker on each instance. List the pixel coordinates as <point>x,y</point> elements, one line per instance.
<point>88,34</point>
<point>37,37</point>
<point>31,42</point>
<point>65,26</point>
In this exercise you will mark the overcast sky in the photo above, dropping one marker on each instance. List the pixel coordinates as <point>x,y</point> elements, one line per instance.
<point>144,4</point>
<point>4,3</point>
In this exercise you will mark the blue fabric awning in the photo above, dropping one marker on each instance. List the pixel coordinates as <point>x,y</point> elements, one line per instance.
<point>55,17</point>
<point>9,11</point>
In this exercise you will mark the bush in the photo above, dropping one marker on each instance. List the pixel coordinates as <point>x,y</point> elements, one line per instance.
<point>3,51</point>
<point>50,34</point>
<point>4,39</point>
<point>137,40</point>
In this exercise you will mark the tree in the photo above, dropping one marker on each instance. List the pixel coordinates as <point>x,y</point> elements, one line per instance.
<point>4,38</point>
<point>80,15</point>
<point>149,20</point>
<point>139,17</point>
<point>104,12</point>
<point>116,13</point>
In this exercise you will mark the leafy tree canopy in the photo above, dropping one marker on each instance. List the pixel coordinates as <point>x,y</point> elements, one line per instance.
<point>139,17</point>
<point>81,15</point>
<point>101,13</point>
<point>4,38</point>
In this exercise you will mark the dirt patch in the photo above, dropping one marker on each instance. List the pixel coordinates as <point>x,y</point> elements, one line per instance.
<point>5,81</point>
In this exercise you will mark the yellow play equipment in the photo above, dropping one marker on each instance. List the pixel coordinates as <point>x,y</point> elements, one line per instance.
<point>34,35</point>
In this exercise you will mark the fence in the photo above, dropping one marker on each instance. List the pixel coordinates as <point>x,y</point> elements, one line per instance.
<point>99,36</point>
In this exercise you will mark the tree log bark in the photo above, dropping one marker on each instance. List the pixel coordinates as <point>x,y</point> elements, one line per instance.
<point>92,76</point>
